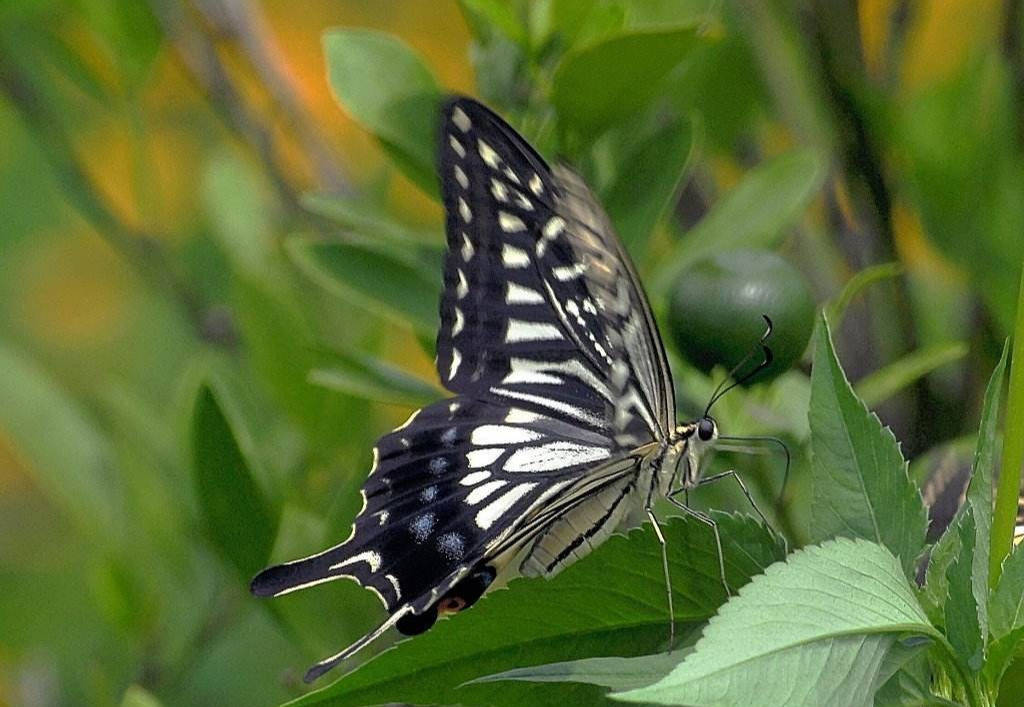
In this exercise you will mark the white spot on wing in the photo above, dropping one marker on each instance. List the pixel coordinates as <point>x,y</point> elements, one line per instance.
<point>526,375</point>
<point>467,248</point>
<point>487,154</point>
<point>553,456</point>
<point>474,478</point>
<point>501,505</point>
<point>461,120</point>
<point>499,191</point>
<point>521,330</point>
<point>370,557</point>
<point>460,177</point>
<point>481,492</point>
<point>456,360</point>
<point>460,322</point>
<point>535,185</point>
<point>457,146</point>
<point>568,272</point>
<point>483,457</point>
<point>558,405</point>
<point>461,289</point>
<point>521,416</point>
<point>464,211</point>
<point>486,435</point>
<point>518,294</point>
<point>451,545</point>
<point>422,525</point>
<point>514,257</point>
<point>510,223</point>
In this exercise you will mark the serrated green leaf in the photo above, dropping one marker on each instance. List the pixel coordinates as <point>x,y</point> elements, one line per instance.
<point>1006,617</point>
<point>816,629</point>
<point>966,607</point>
<point>877,387</point>
<point>602,84</point>
<point>613,601</point>
<point>648,183</point>
<point>860,480</point>
<point>371,277</point>
<point>772,197</point>
<point>389,90</point>
<point>238,518</point>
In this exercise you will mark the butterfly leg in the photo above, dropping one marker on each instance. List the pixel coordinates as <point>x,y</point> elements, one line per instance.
<point>709,521</point>
<point>668,577</point>
<point>743,488</point>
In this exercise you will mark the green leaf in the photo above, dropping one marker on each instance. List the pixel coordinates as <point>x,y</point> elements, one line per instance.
<point>611,672</point>
<point>389,90</point>
<point>966,607</point>
<point>861,486</point>
<point>372,221</point>
<point>816,629</point>
<point>499,13</point>
<point>371,277</point>
<point>613,601</point>
<point>648,183</point>
<point>860,281</point>
<point>602,84</point>
<point>1006,616</point>
<point>771,198</point>
<point>238,518</point>
<point>62,448</point>
<point>363,376</point>
<point>877,387</point>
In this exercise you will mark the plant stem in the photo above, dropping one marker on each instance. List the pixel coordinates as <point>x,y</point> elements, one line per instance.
<point>1008,490</point>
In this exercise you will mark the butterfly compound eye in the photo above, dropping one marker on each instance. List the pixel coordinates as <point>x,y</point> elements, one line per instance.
<point>706,429</point>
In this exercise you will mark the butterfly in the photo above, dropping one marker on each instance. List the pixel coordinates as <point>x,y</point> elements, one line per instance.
<point>562,423</point>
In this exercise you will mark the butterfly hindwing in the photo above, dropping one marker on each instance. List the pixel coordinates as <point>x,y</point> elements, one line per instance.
<point>444,487</point>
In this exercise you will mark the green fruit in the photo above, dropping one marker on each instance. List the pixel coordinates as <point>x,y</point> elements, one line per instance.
<point>716,306</point>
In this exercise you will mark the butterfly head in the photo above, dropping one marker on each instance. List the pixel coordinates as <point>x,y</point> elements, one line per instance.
<point>692,442</point>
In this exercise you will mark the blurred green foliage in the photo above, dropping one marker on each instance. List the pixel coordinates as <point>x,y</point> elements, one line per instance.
<point>217,289</point>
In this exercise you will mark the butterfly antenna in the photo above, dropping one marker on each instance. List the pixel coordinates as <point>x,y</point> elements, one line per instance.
<point>725,386</point>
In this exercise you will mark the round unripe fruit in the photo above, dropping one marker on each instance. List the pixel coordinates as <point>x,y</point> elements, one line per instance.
<point>716,306</point>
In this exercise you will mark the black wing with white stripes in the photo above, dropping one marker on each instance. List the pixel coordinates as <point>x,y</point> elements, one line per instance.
<point>541,305</point>
<point>561,388</point>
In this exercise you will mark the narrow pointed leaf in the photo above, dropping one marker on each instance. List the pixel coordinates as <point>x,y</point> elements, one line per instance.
<point>389,90</point>
<point>836,612</point>
<point>861,485</point>
<point>371,277</point>
<point>966,607</point>
<point>608,81</point>
<point>239,520</point>
<point>772,197</point>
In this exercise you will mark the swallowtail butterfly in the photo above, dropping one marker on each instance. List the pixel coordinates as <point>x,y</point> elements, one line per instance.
<point>562,424</point>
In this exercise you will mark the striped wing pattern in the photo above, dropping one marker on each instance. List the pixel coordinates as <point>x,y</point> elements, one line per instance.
<point>541,305</point>
<point>442,491</point>
<point>561,390</point>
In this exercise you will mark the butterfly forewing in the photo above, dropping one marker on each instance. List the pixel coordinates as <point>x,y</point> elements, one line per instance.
<point>539,305</point>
